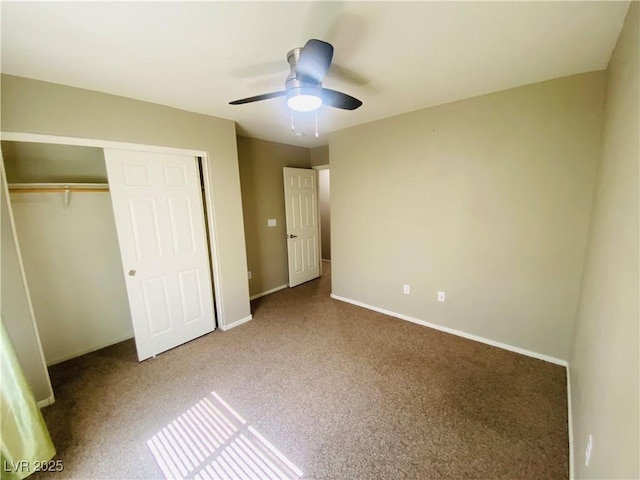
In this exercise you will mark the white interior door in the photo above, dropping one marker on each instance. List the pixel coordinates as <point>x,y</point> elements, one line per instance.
<point>157,202</point>
<point>301,207</point>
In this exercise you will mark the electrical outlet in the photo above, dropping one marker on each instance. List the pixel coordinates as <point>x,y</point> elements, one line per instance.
<point>441,297</point>
<point>406,289</point>
<point>249,274</point>
<point>587,452</point>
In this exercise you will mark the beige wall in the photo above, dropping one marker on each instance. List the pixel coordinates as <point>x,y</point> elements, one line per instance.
<point>261,176</point>
<point>487,199</point>
<point>46,163</point>
<point>15,305</point>
<point>320,156</point>
<point>604,364</point>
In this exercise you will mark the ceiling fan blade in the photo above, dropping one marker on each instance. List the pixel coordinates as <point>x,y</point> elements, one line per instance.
<point>339,100</point>
<point>257,98</point>
<point>315,59</point>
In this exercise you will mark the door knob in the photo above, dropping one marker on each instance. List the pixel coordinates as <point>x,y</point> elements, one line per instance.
<point>132,273</point>
<point>292,236</point>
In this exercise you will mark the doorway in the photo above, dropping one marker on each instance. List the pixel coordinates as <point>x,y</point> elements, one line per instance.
<point>324,206</point>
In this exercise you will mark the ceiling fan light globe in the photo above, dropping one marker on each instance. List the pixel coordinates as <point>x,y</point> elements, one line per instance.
<point>304,102</point>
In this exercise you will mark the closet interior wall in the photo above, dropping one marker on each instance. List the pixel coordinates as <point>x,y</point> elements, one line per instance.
<point>69,246</point>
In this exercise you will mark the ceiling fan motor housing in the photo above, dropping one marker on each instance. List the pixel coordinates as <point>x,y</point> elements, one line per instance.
<point>293,85</point>
<point>293,82</point>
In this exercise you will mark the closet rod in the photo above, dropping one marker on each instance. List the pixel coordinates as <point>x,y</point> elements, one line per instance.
<point>58,187</point>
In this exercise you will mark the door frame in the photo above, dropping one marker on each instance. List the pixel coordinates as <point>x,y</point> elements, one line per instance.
<point>25,285</point>
<point>207,197</point>
<point>318,168</point>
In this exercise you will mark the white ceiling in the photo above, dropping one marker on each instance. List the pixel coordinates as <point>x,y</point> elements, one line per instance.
<point>394,56</point>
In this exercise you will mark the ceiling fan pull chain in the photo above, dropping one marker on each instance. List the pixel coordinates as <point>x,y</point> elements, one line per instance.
<point>316,123</point>
<point>293,128</point>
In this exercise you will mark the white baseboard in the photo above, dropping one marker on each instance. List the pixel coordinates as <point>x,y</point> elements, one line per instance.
<point>459,333</point>
<point>570,424</point>
<point>273,290</point>
<point>46,402</point>
<point>224,328</point>
<point>64,358</point>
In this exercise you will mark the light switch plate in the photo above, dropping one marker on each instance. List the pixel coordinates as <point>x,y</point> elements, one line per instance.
<point>272,222</point>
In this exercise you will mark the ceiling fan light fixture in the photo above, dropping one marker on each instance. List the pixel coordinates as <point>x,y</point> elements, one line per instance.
<point>303,102</point>
<point>304,98</point>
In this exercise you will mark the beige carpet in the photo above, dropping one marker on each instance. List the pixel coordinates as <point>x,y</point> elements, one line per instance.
<point>311,387</point>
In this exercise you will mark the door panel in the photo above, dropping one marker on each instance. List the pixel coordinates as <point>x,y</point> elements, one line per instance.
<point>144,226</point>
<point>181,224</point>
<point>301,206</point>
<point>159,216</point>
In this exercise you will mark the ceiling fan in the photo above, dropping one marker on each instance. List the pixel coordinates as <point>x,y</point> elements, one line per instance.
<point>303,85</point>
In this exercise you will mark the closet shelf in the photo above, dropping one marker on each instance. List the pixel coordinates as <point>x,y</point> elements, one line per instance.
<point>58,187</point>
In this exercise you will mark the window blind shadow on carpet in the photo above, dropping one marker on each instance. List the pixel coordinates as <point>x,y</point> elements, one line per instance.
<point>212,441</point>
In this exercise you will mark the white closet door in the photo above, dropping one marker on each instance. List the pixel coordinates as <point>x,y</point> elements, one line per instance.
<point>301,209</point>
<point>157,202</point>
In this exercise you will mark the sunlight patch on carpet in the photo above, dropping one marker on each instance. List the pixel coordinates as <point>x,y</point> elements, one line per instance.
<point>212,441</point>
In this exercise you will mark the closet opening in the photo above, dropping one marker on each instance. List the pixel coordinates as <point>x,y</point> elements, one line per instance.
<point>70,238</point>
<point>64,222</point>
